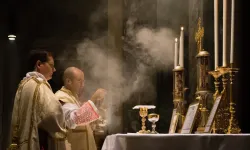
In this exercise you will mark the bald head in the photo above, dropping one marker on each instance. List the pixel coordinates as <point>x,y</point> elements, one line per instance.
<point>73,79</point>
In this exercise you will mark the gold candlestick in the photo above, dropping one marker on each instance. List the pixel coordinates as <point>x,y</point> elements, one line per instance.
<point>223,114</point>
<point>216,75</point>
<point>178,94</point>
<point>233,127</point>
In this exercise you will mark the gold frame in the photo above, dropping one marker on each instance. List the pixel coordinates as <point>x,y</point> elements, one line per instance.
<point>194,117</point>
<point>219,97</point>
<point>174,121</point>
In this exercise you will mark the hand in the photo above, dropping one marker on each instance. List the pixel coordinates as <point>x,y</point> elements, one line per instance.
<point>98,96</point>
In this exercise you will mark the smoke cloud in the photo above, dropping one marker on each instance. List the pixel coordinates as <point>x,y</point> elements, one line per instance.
<point>145,50</point>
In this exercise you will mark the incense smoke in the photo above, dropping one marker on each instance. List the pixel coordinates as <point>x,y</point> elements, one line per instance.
<point>145,50</point>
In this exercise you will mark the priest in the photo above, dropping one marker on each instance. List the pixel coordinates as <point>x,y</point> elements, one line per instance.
<point>82,137</point>
<point>37,114</point>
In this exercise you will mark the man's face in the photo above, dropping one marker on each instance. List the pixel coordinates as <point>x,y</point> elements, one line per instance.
<point>47,68</point>
<point>78,82</point>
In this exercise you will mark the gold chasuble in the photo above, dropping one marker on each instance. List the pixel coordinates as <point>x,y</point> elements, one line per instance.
<point>80,138</point>
<point>36,107</point>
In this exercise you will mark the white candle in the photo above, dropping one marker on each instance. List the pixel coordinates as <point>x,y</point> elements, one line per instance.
<point>224,33</point>
<point>216,42</point>
<point>232,34</point>
<point>176,52</point>
<point>181,56</point>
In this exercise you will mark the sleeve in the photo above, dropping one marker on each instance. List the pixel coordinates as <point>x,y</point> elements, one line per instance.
<point>69,110</point>
<point>50,113</point>
<point>75,116</point>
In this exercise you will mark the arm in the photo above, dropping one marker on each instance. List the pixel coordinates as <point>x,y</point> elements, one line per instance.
<point>75,116</point>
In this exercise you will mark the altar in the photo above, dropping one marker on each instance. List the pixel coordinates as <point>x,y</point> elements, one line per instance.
<point>177,142</point>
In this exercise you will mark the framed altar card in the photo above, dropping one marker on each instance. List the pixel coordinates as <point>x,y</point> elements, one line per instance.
<point>174,121</point>
<point>212,114</point>
<point>190,118</point>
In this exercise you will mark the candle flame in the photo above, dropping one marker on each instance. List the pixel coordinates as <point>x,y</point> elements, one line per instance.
<point>176,40</point>
<point>182,28</point>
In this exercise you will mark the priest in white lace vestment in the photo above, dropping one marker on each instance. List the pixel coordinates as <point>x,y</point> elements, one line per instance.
<point>82,137</point>
<point>36,108</point>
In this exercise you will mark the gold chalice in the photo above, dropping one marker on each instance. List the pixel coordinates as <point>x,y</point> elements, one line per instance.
<point>143,113</point>
<point>153,118</point>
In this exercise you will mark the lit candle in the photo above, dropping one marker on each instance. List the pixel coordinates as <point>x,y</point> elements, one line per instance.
<point>224,33</point>
<point>232,35</point>
<point>176,52</point>
<point>181,56</point>
<point>216,43</point>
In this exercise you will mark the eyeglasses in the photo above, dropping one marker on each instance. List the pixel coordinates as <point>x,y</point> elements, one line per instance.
<point>51,65</point>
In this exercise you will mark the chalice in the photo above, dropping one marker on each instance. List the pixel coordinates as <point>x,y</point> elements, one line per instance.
<point>153,118</point>
<point>143,113</point>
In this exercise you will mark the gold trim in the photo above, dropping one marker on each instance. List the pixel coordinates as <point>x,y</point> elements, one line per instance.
<point>15,137</point>
<point>74,97</point>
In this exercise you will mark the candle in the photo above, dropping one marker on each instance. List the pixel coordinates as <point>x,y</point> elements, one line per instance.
<point>216,46</point>
<point>176,52</point>
<point>181,56</point>
<point>232,34</point>
<point>224,33</point>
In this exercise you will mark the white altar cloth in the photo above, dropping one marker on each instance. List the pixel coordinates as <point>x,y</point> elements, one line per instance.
<point>177,142</point>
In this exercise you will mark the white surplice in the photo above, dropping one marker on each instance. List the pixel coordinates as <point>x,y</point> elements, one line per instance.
<point>80,137</point>
<point>36,107</point>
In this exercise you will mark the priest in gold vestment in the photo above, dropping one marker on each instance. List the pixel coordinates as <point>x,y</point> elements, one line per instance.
<point>82,137</point>
<point>36,108</point>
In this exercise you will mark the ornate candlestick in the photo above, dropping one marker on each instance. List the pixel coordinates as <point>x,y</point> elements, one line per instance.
<point>222,116</point>
<point>216,75</point>
<point>233,127</point>
<point>178,94</point>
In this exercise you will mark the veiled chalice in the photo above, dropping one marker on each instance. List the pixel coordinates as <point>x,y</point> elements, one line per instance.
<point>153,117</point>
<point>144,113</point>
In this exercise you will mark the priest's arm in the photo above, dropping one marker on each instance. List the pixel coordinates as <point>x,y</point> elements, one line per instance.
<point>75,115</point>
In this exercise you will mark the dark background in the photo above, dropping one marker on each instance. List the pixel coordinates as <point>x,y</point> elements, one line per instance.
<point>57,25</point>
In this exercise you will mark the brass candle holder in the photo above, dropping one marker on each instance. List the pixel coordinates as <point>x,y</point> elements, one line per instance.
<point>216,75</point>
<point>178,95</point>
<point>233,127</point>
<point>223,114</point>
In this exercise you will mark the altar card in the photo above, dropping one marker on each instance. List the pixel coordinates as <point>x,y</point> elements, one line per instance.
<point>174,121</point>
<point>212,115</point>
<point>189,119</point>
